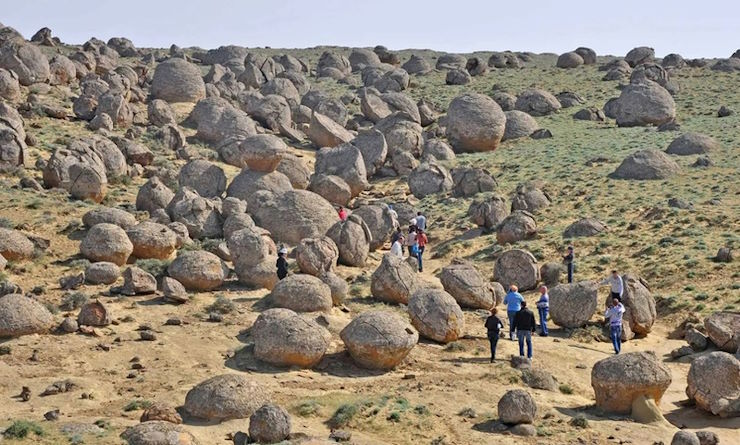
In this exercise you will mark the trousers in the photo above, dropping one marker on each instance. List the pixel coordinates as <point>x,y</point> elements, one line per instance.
<point>615,332</point>
<point>525,336</point>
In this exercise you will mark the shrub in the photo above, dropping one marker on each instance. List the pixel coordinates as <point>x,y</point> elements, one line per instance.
<point>343,415</point>
<point>158,268</point>
<point>21,428</point>
<point>72,301</point>
<point>566,389</point>
<point>136,405</point>
<point>5,223</point>
<point>307,408</point>
<point>222,305</point>
<point>579,421</point>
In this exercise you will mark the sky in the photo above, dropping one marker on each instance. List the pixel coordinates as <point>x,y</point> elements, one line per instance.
<point>691,28</point>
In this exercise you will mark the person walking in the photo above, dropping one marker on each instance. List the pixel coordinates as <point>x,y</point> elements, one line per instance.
<point>421,242</point>
<point>421,221</point>
<point>525,325</point>
<point>569,260</point>
<point>411,240</point>
<point>396,235</point>
<point>397,247</point>
<point>543,307</point>
<point>282,263</point>
<point>614,313</point>
<point>342,214</point>
<point>493,326</point>
<point>616,285</point>
<point>513,301</point>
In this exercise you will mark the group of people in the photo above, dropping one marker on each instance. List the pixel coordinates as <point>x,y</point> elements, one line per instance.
<point>415,240</point>
<point>522,322</point>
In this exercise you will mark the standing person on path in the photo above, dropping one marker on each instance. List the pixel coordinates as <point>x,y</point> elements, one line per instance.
<point>398,234</point>
<point>569,260</point>
<point>616,285</point>
<point>421,221</point>
<point>411,240</point>
<point>397,247</point>
<point>282,263</point>
<point>342,214</point>
<point>421,242</point>
<point>394,216</point>
<point>493,326</point>
<point>513,301</point>
<point>614,312</point>
<point>543,307</point>
<point>525,325</point>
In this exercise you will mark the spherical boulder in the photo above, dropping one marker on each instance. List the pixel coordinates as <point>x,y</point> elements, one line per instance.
<point>153,195</point>
<point>639,304</point>
<point>644,103</point>
<point>569,60</point>
<point>467,181</point>
<point>379,339</point>
<point>204,177</point>
<point>225,397</point>
<point>692,144</point>
<point>436,315</point>
<point>20,315</point>
<point>293,215</point>
<point>302,293</point>
<point>158,432</point>
<point>519,225</point>
<point>380,220</point>
<point>14,246</point>
<point>177,80</point>
<point>198,270</point>
<point>285,338</point>
<point>346,162</point>
<point>269,424</point>
<point>429,178</point>
<point>723,328</point>
<point>260,152</point>
<point>102,273</point>
<point>519,125</point>
<point>584,227</point>
<point>639,55</point>
<point>352,237</point>
<point>518,267</point>
<point>517,406</point>
<point>475,123</point>
<point>618,380</point>
<point>587,54</point>
<point>685,438</point>
<point>489,212</point>
<point>530,197</point>
<point>316,255</point>
<point>394,280</point>
<point>714,384</point>
<point>94,313</point>
<point>152,240</point>
<point>573,304</point>
<point>646,165</point>
<point>536,102</point>
<point>106,242</point>
<point>466,285</point>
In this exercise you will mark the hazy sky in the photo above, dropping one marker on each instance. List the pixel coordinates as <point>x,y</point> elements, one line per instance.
<point>691,28</point>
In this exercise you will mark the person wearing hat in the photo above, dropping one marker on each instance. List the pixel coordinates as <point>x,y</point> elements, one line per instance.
<point>569,260</point>
<point>282,263</point>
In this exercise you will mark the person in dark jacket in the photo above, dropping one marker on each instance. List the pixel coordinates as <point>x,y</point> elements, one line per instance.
<point>493,325</point>
<point>525,323</point>
<point>570,262</point>
<point>282,263</point>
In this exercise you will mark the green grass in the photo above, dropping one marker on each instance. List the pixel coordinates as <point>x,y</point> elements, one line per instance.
<point>222,305</point>
<point>158,268</point>
<point>20,429</point>
<point>136,405</point>
<point>565,389</point>
<point>343,415</point>
<point>579,421</point>
<point>73,301</point>
<point>307,408</point>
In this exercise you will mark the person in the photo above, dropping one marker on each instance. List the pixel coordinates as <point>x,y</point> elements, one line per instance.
<point>543,307</point>
<point>411,240</point>
<point>421,242</point>
<point>614,313</point>
<point>282,263</point>
<point>397,247</point>
<point>616,285</point>
<point>513,301</point>
<point>493,326</point>
<point>396,235</point>
<point>342,214</point>
<point>569,260</point>
<point>524,323</point>
<point>394,216</point>
<point>421,221</point>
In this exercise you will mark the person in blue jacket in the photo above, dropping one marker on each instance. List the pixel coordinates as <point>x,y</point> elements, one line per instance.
<point>513,302</point>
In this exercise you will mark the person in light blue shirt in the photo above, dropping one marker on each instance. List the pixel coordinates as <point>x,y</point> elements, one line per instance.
<point>513,302</point>
<point>543,307</point>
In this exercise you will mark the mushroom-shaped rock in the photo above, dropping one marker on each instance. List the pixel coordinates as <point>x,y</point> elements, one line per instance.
<point>315,256</point>
<point>302,293</point>
<point>158,432</point>
<point>152,240</point>
<point>436,315</point>
<point>528,196</point>
<point>225,397</point>
<point>466,285</point>
<point>198,270</point>
<point>204,177</point>
<point>285,338</point>
<point>379,339</point>
<point>518,226</point>
<point>475,123</point>
<point>353,239</point>
<point>723,328</point>
<point>639,304</point>
<point>537,102</point>
<point>584,227</point>
<point>620,379</point>
<point>692,144</point>
<point>646,165</point>
<point>519,125</point>
<point>20,315</point>
<point>714,384</point>
<point>642,104</point>
<point>102,272</point>
<point>94,313</point>
<point>429,178</point>
<point>517,406</point>
<point>177,80</point>
<point>14,246</point>
<point>394,280</point>
<point>488,212</point>
<point>380,220</point>
<point>269,424</point>
<point>569,60</point>
<point>518,267</point>
<point>106,242</point>
<point>293,215</point>
<point>573,304</point>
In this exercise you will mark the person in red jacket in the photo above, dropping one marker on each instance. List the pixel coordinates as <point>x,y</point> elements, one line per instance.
<point>342,214</point>
<point>421,242</point>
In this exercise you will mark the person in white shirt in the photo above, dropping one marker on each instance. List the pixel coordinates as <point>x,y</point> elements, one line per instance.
<point>397,247</point>
<point>616,285</point>
<point>394,216</point>
<point>421,221</point>
<point>614,313</point>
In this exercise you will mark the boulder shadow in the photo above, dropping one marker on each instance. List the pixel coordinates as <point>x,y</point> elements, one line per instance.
<point>687,415</point>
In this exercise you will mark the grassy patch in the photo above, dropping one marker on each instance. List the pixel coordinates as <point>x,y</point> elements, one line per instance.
<point>565,389</point>
<point>136,405</point>
<point>579,421</point>
<point>158,268</point>
<point>307,408</point>
<point>222,305</point>
<point>72,301</point>
<point>20,429</point>
<point>343,415</point>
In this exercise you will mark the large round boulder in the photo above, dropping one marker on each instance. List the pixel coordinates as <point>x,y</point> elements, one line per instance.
<point>379,220</point>
<point>293,215</point>
<point>528,196</point>
<point>436,315</point>
<point>429,178</point>
<point>692,144</point>
<point>102,273</point>
<point>620,379</point>
<point>315,256</point>
<point>639,55</point>
<point>106,242</point>
<point>177,80</point>
<point>569,60</point>
<point>469,181</point>
<point>723,328</point>
<point>379,339</point>
<point>536,102</point>
<point>475,123</point>
<point>198,270</point>
<point>248,182</point>
<point>260,152</point>
<point>269,424</point>
<point>519,225</point>
<point>324,132</point>
<point>109,215</point>
<point>158,432</point>
<point>353,239</point>
<point>285,338</point>
<point>25,60</point>
<point>153,195</point>
<point>518,267</point>
<point>466,285</point>
<point>643,103</point>
<point>394,280</point>
<point>20,315</point>
<point>332,188</point>
<point>639,304</point>
<point>225,397</point>
<point>714,384</point>
<point>295,170</point>
<point>346,162</point>
<point>206,178</point>
<point>302,293</point>
<point>584,227</point>
<point>519,125</point>
<point>646,165</point>
<point>15,246</point>
<point>489,212</point>
<point>200,216</point>
<point>573,304</point>
<point>517,406</point>
<point>249,247</point>
<point>152,240</point>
